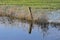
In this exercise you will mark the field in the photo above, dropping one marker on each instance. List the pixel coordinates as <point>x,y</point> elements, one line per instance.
<point>33,3</point>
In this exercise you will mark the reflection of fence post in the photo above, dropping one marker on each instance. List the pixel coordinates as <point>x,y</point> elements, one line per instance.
<point>30,28</point>
<point>31,24</point>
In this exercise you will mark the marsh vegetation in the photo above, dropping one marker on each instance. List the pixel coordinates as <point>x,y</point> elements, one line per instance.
<point>29,23</point>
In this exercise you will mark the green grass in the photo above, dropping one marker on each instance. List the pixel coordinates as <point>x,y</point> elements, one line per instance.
<point>33,3</point>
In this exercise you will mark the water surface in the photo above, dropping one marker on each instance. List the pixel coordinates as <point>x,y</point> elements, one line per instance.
<point>14,29</point>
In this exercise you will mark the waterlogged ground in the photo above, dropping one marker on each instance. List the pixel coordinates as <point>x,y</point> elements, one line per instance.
<point>16,29</point>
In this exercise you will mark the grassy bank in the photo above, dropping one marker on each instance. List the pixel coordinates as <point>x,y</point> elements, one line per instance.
<point>33,3</point>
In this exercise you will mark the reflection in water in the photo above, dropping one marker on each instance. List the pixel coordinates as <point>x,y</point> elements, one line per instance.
<point>41,21</point>
<point>44,26</point>
<point>31,23</point>
<point>56,25</point>
<point>30,28</point>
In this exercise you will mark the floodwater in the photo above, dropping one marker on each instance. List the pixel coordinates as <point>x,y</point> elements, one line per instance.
<point>14,29</point>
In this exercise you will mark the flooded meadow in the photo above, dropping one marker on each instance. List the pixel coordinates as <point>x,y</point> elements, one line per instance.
<point>19,24</point>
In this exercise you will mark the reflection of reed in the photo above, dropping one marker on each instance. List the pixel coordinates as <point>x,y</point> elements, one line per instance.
<point>44,25</point>
<point>55,24</point>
